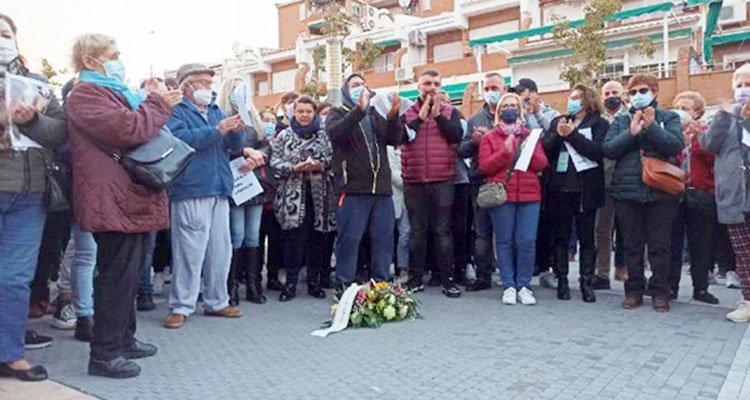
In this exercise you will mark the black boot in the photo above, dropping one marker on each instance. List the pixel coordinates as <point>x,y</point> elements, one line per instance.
<point>313,283</point>
<point>273,281</point>
<point>254,292</point>
<point>587,291</point>
<point>290,288</point>
<point>563,290</point>
<point>233,286</point>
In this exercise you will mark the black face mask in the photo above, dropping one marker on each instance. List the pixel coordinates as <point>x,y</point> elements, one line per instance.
<point>613,103</point>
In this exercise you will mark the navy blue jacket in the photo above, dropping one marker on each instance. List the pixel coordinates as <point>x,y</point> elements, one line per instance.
<point>208,174</point>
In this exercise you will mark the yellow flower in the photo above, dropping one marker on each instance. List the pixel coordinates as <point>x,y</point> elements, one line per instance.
<point>402,312</point>
<point>381,285</point>
<point>334,308</point>
<point>389,313</point>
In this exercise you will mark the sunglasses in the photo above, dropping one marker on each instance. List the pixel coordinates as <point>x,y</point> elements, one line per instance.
<point>633,92</point>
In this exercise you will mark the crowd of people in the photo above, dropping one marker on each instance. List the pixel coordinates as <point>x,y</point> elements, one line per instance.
<point>352,193</point>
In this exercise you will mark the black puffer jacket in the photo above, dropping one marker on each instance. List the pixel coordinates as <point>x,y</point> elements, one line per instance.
<point>662,140</point>
<point>592,180</point>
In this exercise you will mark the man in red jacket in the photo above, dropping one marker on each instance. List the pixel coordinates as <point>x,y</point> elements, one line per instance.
<point>428,162</point>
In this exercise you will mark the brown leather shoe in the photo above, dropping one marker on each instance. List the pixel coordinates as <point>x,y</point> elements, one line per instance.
<point>226,312</point>
<point>174,321</point>
<point>621,274</point>
<point>632,301</point>
<point>661,304</point>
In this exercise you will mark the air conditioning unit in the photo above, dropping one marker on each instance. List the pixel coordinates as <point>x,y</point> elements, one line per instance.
<point>370,18</point>
<point>405,74</point>
<point>733,11</point>
<point>417,38</point>
<point>356,11</point>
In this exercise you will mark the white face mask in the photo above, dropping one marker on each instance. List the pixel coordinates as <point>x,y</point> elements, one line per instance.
<point>8,51</point>
<point>203,97</point>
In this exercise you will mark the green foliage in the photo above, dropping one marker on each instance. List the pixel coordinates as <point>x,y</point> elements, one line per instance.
<point>313,88</point>
<point>370,51</point>
<point>645,46</point>
<point>49,72</point>
<point>337,24</point>
<point>586,42</point>
<point>319,58</point>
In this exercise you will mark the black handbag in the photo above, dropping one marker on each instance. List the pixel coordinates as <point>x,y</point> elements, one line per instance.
<point>155,164</point>
<point>57,190</point>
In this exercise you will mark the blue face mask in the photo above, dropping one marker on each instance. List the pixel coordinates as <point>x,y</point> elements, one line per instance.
<point>574,107</point>
<point>642,100</point>
<point>269,129</point>
<point>115,69</point>
<point>355,92</point>
<point>492,97</point>
<point>509,115</point>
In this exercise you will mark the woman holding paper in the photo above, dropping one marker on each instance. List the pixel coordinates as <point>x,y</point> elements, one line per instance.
<point>244,219</point>
<point>305,203</point>
<point>512,156</point>
<point>27,131</point>
<point>575,184</point>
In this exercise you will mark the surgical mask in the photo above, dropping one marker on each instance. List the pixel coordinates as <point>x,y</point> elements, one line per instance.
<point>203,97</point>
<point>509,115</point>
<point>269,129</point>
<point>574,107</point>
<point>492,97</point>
<point>742,95</point>
<point>8,51</point>
<point>355,93</point>
<point>115,69</point>
<point>613,103</point>
<point>642,100</point>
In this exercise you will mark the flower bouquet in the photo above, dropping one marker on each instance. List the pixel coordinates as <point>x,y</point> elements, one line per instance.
<point>371,305</point>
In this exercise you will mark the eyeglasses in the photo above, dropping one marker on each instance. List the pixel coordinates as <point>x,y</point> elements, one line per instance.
<point>644,90</point>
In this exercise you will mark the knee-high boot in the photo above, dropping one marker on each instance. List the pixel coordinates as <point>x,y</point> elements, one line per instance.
<point>254,292</point>
<point>233,286</point>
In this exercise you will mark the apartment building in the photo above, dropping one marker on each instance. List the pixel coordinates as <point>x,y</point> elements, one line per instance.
<point>698,43</point>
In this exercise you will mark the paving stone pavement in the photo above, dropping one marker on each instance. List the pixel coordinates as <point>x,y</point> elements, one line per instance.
<point>472,348</point>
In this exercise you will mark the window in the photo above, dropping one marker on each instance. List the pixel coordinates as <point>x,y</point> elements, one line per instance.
<point>262,88</point>
<point>426,5</point>
<point>283,81</point>
<point>613,69</point>
<point>448,51</point>
<point>384,62</point>
<point>302,13</point>
<point>652,68</point>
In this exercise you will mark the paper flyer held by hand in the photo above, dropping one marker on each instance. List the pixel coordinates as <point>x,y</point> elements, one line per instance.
<point>15,90</point>
<point>580,162</point>
<point>246,184</point>
<point>527,150</point>
<point>244,99</point>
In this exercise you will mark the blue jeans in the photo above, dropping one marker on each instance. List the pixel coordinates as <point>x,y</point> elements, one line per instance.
<point>144,283</point>
<point>21,225</point>
<point>244,224</point>
<point>357,213</point>
<point>515,226</point>
<point>402,247</point>
<point>82,271</point>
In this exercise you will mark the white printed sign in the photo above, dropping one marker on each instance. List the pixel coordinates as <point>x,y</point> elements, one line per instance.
<point>246,185</point>
<point>527,150</point>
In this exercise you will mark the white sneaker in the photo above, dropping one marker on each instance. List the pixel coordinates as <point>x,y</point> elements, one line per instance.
<point>548,280</point>
<point>157,282</point>
<point>733,280</point>
<point>742,313</point>
<point>167,274</point>
<point>65,319</point>
<point>526,297</point>
<point>509,296</point>
<point>471,273</point>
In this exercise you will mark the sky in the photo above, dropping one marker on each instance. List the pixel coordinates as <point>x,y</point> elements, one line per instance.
<point>158,34</point>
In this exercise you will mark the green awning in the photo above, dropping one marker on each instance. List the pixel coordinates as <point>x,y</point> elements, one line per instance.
<point>389,43</point>
<point>661,7</point>
<point>455,91</point>
<point>712,19</point>
<point>694,3</point>
<point>610,45</point>
<point>315,25</point>
<point>733,37</point>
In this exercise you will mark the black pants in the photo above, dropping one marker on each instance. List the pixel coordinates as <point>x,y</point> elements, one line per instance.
<point>329,239</point>
<point>460,228</point>
<point>545,254</point>
<point>54,240</point>
<point>162,251</point>
<point>723,252</point>
<point>430,206</point>
<point>270,229</point>
<point>119,259</point>
<point>696,217</point>
<point>484,249</point>
<point>647,223</point>
<point>301,242</point>
<point>619,245</point>
<point>564,209</point>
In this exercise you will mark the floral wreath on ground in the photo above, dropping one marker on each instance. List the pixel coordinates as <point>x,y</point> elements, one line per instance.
<point>376,303</point>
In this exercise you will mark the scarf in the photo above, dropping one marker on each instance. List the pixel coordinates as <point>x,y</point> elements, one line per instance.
<point>134,99</point>
<point>305,132</point>
<point>511,129</point>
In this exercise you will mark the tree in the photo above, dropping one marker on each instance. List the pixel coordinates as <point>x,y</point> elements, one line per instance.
<point>51,73</point>
<point>370,52</point>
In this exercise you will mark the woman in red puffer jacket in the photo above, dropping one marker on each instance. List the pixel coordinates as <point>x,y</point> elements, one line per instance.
<point>515,222</point>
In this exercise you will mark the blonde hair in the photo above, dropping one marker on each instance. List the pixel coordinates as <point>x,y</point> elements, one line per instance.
<point>743,70</point>
<point>90,44</point>
<point>698,101</point>
<point>519,102</point>
<point>225,105</point>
